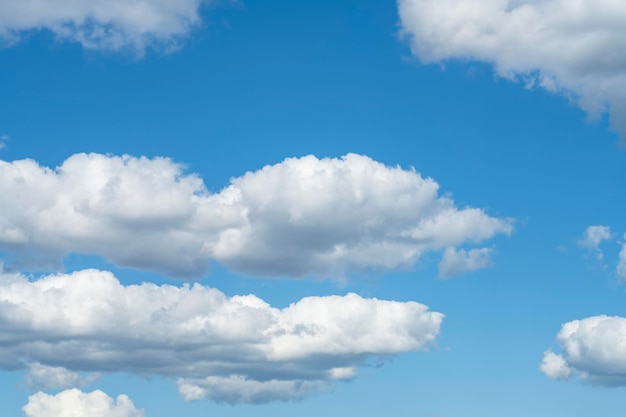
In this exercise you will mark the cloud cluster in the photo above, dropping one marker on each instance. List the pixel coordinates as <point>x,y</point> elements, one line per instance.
<point>103,24</point>
<point>229,349</point>
<point>569,47</point>
<point>72,403</point>
<point>593,349</point>
<point>300,217</point>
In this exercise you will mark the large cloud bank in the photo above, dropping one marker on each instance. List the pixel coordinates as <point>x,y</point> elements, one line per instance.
<point>229,349</point>
<point>571,47</point>
<point>75,403</point>
<point>299,217</point>
<point>103,24</point>
<point>592,349</point>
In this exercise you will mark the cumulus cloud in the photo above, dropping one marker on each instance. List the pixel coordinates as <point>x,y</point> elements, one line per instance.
<point>299,217</point>
<point>563,46</point>
<point>229,349</point>
<point>593,349</point>
<point>103,24</point>
<point>72,403</point>
<point>554,366</point>
<point>455,262</point>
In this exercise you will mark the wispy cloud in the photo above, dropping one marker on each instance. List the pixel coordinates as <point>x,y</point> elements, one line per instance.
<point>593,237</point>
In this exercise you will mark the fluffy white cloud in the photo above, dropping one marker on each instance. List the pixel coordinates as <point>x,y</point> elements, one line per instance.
<point>570,47</point>
<point>72,403</point>
<point>102,24</point>
<point>229,349</point>
<point>594,349</point>
<point>554,366</point>
<point>299,217</point>
<point>455,262</point>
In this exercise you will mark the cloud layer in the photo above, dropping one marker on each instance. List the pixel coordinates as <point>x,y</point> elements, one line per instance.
<point>299,217</point>
<point>72,403</point>
<point>102,24</point>
<point>229,349</point>
<point>570,47</point>
<point>593,349</point>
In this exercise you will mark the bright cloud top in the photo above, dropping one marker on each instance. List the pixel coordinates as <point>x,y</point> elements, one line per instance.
<point>299,217</point>
<point>229,349</point>
<point>72,403</point>
<point>102,24</point>
<point>570,47</point>
<point>594,349</point>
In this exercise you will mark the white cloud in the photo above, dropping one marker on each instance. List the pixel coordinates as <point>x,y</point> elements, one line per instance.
<point>299,217</point>
<point>55,377</point>
<point>3,141</point>
<point>554,366</point>
<point>564,46</point>
<point>455,262</point>
<point>73,403</point>
<point>593,237</point>
<point>103,24</point>
<point>594,349</point>
<point>230,349</point>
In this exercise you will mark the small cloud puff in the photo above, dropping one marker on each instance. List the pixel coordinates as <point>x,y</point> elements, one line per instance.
<point>73,402</point>
<point>592,349</point>
<point>593,237</point>
<point>455,262</point>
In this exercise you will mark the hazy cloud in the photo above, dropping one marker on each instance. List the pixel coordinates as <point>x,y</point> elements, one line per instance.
<point>230,349</point>
<point>302,216</point>
<point>54,377</point>
<point>621,265</point>
<point>455,262</point>
<point>567,47</point>
<point>593,237</point>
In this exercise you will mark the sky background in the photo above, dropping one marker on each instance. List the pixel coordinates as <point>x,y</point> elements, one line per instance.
<point>253,83</point>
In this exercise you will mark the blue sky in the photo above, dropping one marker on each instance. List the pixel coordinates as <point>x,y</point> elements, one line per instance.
<point>463,155</point>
